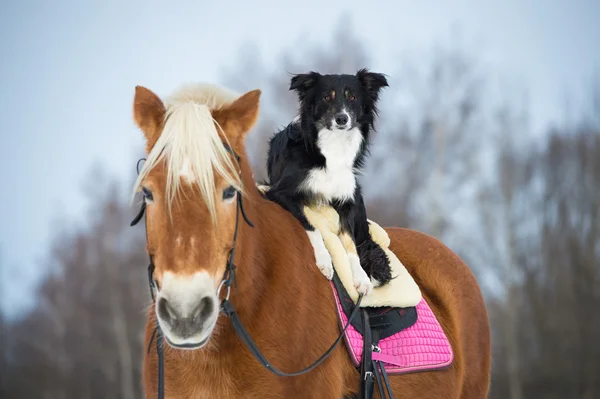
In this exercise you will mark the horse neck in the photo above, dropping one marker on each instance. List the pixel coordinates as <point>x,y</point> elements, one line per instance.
<point>257,274</point>
<point>250,270</point>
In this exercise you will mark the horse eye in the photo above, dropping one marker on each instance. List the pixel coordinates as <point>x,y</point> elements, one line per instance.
<point>229,193</point>
<point>351,97</point>
<point>147,194</point>
<point>328,97</point>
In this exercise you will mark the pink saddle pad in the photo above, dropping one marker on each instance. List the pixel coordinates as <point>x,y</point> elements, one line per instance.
<point>420,347</point>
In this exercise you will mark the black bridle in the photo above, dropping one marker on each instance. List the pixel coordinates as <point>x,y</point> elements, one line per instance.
<point>226,306</point>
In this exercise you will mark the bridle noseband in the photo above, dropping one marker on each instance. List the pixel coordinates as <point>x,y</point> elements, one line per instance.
<point>226,306</point>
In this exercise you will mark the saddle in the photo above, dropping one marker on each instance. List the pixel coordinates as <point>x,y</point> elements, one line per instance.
<point>391,340</point>
<point>397,331</point>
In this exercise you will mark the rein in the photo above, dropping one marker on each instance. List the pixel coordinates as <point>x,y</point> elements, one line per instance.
<point>226,306</point>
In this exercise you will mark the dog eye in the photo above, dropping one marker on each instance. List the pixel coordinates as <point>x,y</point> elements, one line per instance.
<point>327,97</point>
<point>229,193</point>
<point>351,97</point>
<point>147,194</point>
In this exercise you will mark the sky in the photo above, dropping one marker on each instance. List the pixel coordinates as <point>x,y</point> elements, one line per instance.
<point>68,71</point>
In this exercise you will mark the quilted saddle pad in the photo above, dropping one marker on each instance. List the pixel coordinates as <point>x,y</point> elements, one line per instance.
<point>422,346</point>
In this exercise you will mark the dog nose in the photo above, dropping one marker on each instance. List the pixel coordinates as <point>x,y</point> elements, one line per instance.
<point>341,119</point>
<point>188,324</point>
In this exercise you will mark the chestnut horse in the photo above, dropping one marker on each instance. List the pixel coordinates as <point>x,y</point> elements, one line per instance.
<point>193,182</point>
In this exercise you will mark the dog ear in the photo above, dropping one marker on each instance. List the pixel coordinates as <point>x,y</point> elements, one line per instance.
<point>372,82</point>
<point>304,81</point>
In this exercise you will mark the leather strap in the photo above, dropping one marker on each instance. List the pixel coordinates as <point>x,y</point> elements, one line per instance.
<point>387,359</point>
<point>379,381</point>
<point>379,370</point>
<point>242,333</point>
<point>366,369</point>
<point>161,365</point>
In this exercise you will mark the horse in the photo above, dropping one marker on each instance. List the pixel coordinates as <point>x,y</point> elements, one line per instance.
<point>196,181</point>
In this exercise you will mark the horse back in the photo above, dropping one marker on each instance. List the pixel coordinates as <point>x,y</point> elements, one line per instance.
<point>452,291</point>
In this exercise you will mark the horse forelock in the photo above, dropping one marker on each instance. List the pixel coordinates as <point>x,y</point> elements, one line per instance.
<point>191,145</point>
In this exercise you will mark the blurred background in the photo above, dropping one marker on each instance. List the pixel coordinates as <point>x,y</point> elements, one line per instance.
<point>488,138</point>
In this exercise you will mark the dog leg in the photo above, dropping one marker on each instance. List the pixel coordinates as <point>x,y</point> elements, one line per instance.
<point>371,255</point>
<point>360,279</point>
<point>347,212</point>
<point>322,256</point>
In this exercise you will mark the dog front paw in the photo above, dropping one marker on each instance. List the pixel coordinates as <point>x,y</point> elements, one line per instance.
<point>363,286</point>
<point>376,261</point>
<point>324,263</point>
<point>360,280</point>
<point>381,272</point>
<point>322,256</point>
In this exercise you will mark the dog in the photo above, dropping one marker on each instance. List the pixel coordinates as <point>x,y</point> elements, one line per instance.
<point>315,160</point>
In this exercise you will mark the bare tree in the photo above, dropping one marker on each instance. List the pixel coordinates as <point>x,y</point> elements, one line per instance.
<point>4,361</point>
<point>428,153</point>
<point>542,220</point>
<point>504,203</point>
<point>85,338</point>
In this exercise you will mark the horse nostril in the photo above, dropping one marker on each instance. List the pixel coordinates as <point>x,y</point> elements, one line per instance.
<point>341,119</point>
<point>165,311</point>
<point>188,322</point>
<point>203,310</point>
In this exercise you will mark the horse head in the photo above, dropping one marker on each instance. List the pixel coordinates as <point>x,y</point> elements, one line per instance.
<point>190,182</point>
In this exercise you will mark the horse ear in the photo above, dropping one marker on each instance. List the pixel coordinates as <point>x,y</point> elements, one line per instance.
<point>148,113</point>
<point>372,82</point>
<point>243,113</point>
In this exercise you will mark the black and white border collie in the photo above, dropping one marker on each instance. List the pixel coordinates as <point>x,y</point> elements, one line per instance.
<point>316,158</point>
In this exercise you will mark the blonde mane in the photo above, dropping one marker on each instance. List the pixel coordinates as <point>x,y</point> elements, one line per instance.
<point>190,144</point>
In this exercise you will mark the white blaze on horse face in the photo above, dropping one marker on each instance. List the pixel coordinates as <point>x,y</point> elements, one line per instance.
<point>323,258</point>
<point>336,180</point>
<point>186,170</point>
<point>187,308</point>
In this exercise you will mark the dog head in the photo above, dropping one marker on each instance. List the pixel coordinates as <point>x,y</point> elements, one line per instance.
<point>338,102</point>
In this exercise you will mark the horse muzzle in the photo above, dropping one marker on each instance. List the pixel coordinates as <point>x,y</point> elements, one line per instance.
<point>187,310</point>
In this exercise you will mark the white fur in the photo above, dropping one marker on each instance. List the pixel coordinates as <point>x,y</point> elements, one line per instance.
<point>191,145</point>
<point>376,283</point>
<point>323,258</point>
<point>336,180</point>
<point>186,171</point>
<point>360,279</point>
<point>183,293</point>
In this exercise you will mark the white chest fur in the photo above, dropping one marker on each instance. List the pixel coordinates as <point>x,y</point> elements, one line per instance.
<point>336,180</point>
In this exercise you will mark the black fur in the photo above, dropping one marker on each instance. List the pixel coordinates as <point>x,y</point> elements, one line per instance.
<point>294,152</point>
